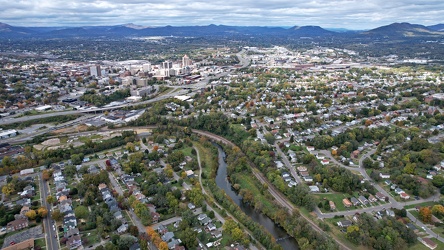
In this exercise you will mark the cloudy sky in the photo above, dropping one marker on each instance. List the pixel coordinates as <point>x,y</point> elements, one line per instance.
<point>352,14</point>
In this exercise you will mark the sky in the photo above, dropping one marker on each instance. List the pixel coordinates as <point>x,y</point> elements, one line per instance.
<point>350,14</point>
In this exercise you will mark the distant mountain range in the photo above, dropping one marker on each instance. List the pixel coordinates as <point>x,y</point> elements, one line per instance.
<point>395,30</point>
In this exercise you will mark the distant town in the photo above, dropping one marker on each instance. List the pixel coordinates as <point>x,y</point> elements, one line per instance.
<point>222,147</point>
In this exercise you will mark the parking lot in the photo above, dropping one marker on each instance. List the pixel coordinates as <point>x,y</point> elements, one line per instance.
<point>35,232</point>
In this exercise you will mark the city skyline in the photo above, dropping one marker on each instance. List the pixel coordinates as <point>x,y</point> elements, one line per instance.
<point>350,14</point>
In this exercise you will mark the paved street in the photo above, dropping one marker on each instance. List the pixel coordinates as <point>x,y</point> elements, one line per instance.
<point>51,241</point>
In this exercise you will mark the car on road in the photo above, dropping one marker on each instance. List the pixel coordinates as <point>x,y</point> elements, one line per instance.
<point>423,228</point>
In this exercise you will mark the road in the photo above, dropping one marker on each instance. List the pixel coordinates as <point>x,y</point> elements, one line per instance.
<point>51,236</point>
<point>288,164</point>
<point>136,221</point>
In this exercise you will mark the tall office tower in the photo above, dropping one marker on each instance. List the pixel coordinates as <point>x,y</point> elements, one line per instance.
<point>95,70</point>
<point>167,65</point>
<point>186,61</point>
<point>146,67</point>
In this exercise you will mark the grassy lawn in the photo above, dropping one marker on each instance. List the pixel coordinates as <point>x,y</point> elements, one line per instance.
<point>205,156</point>
<point>438,230</point>
<point>335,197</point>
<point>414,213</point>
<point>246,182</point>
<point>40,243</point>
<point>91,237</point>
<point>187,151</point>
<point>424,204</point>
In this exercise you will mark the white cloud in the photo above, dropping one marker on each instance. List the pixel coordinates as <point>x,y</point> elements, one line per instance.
<point>355,14</point>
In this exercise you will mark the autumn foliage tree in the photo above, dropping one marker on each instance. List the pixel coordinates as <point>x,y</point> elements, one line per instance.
<point>31,214</point>
<point>438,210</point>
<point>42,212</point>
<point>425,214</point>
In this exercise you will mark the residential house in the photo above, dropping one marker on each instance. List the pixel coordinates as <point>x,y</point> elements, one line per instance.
<point>190,173</point>
<point>304,173</point>
<point>74,242</point>
<point>205,221</point>
<point>380,196</point>
<point>404,196</point>
<point>325,162</point>
<point>173,243</point>
<point>17,225</point>
<point>302,169</point>
<point>155,217</point>
<point>308,178</point>
<point>102,186</point>
<point>314,189</point>
<point>344,223</point>
<point>191,206</point>
<point>355,154</point>
<point>71,232</point>
<point>332,205</point>
<point>427,242</point>
<point>23,202</point>
<point>346,202</point>
<point>372,198</point>
<point>118,215</point>
<point>354,201</point>
<point>399,191</point>
<point>23,211</point>
<point>167,236</point>
<point>384,176</point>
<point>363,200</point>
<point>122,229</point>
<point>210,227</point>
<point>201,217</point>
<point>390,213</point>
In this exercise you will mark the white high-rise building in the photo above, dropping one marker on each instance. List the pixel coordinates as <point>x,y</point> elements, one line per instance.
<point>95,70</point>
<point>186,61</point>
<point>146,67</point>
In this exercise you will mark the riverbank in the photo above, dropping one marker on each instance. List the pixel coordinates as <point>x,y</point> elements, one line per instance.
<point>259,233</point>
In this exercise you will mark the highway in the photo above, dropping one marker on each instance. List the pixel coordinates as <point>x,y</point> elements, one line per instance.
<point>51,235</point>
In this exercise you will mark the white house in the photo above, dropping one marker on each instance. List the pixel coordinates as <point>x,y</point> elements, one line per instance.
<point>384,176</point>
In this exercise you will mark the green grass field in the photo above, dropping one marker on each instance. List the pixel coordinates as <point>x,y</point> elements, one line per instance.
<point>187,151</point>
<point>424,204</point>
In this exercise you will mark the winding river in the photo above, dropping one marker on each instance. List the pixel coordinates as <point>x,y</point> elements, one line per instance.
<point>283,239</point>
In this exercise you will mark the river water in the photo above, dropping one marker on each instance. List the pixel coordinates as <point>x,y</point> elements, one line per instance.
<point>288,243</point>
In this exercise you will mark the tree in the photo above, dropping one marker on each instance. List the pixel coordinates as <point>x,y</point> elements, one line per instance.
<point>46,174</point>
<point>133,231</point>
<point>57,215</point>
<point>31,214</point>
<point>81,212</point>
<point>163,245</point>
<point>438,210</point>
<point>270,138</point>
<point>425,214</point>
<point>50,199</point>
<point>8,189</point>
<point>42,212</point>
<point>189,238</point>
